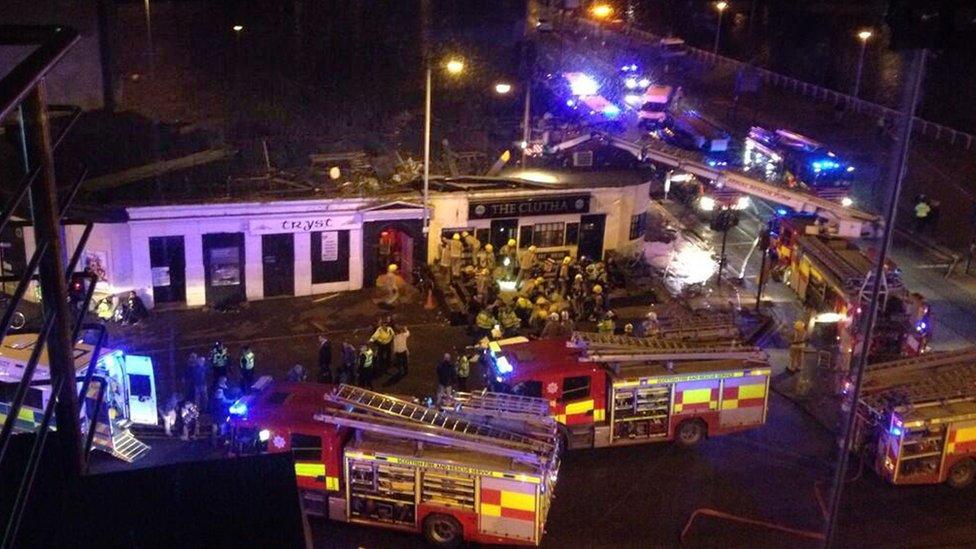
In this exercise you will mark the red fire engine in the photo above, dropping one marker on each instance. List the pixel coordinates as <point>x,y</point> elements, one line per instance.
<point>916,419</point>
<point>369,458</point>
<point>608,390</point>
<point>835,278</point>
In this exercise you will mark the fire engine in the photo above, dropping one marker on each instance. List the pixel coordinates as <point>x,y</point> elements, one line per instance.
<point>608,390</point>
<point>916,418</point>
<point>481,472</point>
<point>121,392</point>
<point>832,276</point>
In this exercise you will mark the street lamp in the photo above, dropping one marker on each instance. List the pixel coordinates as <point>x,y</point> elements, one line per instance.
<point>601,11</point>
<point>864,36</point>
<point>720,6</point>
<point>238,28</point>
<point>503,88</point>
<point>454,66</point>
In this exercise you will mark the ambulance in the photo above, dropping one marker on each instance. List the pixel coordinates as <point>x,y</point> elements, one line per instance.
<point>121,392</point>
<point>367,458</point>
<point>607,390</point>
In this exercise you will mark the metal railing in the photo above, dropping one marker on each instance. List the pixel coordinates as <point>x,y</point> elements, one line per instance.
<point>22,101</point>
<point>924,128</point>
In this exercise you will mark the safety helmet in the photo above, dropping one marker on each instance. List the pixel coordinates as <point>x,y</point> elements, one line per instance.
<point>456,236</point>
<point>541,301</point>
<point>511,241</point>
<point>489,247</point>
<point>539,280</point>
<point>567,260</point>
<point>597,289</point>
<point>652,315</point>
<point>610,314</point>
<point>628,328</point>
<point>464,234</point>
<point>553,316</point>
<point>578,277</point>
<point>564,315</point>
<point>531,248</point>
<point>392,267</point>
<point>799,325</point>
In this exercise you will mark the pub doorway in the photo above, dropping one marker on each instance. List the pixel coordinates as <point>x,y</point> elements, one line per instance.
<point>391,243</point>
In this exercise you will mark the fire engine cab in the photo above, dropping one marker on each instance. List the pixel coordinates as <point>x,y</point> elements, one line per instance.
<point>369,458</point>
<point>608,390</point>
<point>832,276</point>
<point>916,419</point>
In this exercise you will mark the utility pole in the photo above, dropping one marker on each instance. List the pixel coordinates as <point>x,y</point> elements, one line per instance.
<point>896,173</point>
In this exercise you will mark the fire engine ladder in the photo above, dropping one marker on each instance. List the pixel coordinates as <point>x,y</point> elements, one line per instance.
<point>523,413</point>
<point>698,328</point>
<point>422,423</point>
<point>936,377</point>
<point>882,373</point>
<point>617,348</point>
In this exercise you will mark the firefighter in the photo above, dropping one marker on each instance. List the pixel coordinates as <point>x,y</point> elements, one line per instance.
<point>551,330</point>
<point>218,361</point>
<point>523,308</point>
<point>401,353</point>
<point>797,344</point>
<point>566,324</point>
<point>539,318</point>
<point>474,245</point>
<point>606,324</point>
<point>541,310</point>
<point>445,257</point>
<point>168,412</point>
<point>509,254</point>
<point>598,302</point>
<point>457,254</point>
<point>509,320</point>
<point>482,279</point>
<point>390,286</point>
<point>347,369</point>
<point>577,295</point>
<point>366,357</point>
<point>462,369</point>
<point>484,322</point>
<point>629,329</point>
<point>246,363</point>
<point>383,339</point>
<point>648,326</point>
<point>563,275</point>
<point>526,265</point>
<point>489,252</point>
<point>481,257</point>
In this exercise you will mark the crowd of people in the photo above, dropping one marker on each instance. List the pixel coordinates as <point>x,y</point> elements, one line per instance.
<point>522,291</point>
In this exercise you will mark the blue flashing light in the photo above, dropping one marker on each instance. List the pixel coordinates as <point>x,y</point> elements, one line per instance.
<point>611,111</point>
<point>781,212</point>
<point>238,408</point>
<point>503,365</point>
<point>824,164</point>
<point>895,431</point>
<point>570,103</point>
<point>712,163</point>
<point>920,326</point>
<point>850,169</point>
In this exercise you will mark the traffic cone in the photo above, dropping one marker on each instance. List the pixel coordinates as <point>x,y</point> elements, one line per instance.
<point>430,305</point>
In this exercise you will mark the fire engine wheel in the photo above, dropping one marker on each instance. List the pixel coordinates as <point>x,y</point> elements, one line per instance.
<point>443,530</point>
<point>690,433</point>
<point>962,474</point>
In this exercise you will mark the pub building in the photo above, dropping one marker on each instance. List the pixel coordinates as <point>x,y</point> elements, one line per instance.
<point>210,251</point>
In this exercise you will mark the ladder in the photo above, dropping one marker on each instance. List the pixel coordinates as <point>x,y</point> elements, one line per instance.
<point>519,413</point>
<point>618,348</point>
<point>451,424</point>
<point>503,402</point>
<point>933,377</point>
<point>127,447</point>
<point>879,372</point>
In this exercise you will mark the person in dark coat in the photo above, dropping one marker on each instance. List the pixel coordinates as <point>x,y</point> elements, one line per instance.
<point>325,360</point>
<point>445,377</point>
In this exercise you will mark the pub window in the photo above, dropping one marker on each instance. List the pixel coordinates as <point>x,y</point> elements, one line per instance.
<point>638,225</point>
<point>572,234</point>
<point>548,235</point>
<point>483,236</point>
<point>330,256</point>
<point>306,447</point>
<point>583,159</point>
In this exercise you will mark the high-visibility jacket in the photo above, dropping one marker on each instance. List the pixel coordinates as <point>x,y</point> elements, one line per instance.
<point>383,335</point>
<point>509,319</point>
<point>463,368</point>
<point>606,326</point>
<point>922,210</point>
<point>484,320</point>
<point>247,360</point>
<point>523,303</point>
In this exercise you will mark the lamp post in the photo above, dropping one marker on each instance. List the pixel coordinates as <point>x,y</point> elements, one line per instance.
<point>453,66</point>
<point>864,36</point>
<point>720,6</point>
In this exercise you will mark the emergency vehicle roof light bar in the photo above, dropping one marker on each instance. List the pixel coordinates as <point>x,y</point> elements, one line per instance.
<point>400,428</point>
<point>423,416</point>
